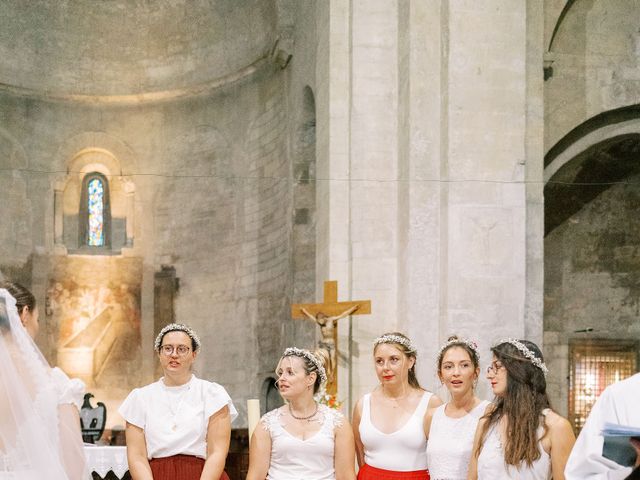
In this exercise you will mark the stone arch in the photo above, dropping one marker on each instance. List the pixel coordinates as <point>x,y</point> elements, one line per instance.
<point>591,54</point>
<point>592,238</point>
<point>81,155</point>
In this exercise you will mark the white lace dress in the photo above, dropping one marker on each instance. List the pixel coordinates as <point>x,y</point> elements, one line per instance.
<point>451,442</point>
<point>55,389</point>
<point>295,459</point>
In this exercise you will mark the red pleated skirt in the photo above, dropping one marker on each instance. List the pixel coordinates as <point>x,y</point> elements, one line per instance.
<point>368,472</point>
<point>179,467</point>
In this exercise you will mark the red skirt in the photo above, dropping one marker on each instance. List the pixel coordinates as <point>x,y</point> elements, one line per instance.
<point>367,472</point>
<point>179,467</point>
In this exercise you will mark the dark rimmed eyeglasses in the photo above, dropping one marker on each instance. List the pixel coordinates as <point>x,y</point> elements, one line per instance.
<point>181,350</point>
<point>494,368</point>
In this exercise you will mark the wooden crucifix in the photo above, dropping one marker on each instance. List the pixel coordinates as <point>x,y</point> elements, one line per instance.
<point>326,315</point>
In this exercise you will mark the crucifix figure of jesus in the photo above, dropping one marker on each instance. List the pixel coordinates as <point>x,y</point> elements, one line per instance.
<point>326,315</point>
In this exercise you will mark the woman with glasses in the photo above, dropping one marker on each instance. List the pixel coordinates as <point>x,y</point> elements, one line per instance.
<point>389,423</point>
<point>520,437</point>
<point>180,426</point>
<point>302,439</point>
<point>450,428</point>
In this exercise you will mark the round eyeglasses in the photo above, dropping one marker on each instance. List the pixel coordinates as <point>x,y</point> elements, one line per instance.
<point>494,368</point>
<point>181,350</point>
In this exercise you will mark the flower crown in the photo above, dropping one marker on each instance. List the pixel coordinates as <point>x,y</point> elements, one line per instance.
<point>177,327</point>
<point>528,354</point>
<point>395,339</point>
<point>300,352</point>
<point>457,341</point>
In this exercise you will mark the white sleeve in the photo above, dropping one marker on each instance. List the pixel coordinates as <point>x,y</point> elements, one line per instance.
<point>69,390</point>
<point>586,461</point>
<point>216,397</point>
<point>133,409</point>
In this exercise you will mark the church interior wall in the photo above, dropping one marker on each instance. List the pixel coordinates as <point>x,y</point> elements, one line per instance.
<point>214,202</point>
<point>84,48</point>
<point>591,279</point>
<point>594,57</point>
<point>588,259</point>
<point>211,175</point>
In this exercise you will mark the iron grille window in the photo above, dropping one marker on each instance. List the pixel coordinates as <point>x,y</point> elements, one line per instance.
<point>594,365</point>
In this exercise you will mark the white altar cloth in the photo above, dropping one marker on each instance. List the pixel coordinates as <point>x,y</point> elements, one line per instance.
<point>104,459</point>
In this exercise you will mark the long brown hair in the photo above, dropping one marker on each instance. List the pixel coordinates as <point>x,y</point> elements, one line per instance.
<point>521,405</point>
<point>409,353</point>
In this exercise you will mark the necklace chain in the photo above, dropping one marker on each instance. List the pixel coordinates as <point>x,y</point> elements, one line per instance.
<point>174,413</point>
<point>304,418</point>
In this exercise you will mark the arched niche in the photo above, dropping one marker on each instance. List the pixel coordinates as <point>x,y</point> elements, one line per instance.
<point>270,396</point>
<point>304,198</point>
<point>591,243</point>
<point>72,203</point>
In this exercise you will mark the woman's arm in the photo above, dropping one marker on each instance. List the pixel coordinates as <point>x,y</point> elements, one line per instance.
<point>426,424</point>
<point>259,454</point>
<point>562,440</point>
<point>137,453</point>
<point>344,452</point>
<point>71,445</point>
<point>218,438</point>
<point>357,414</point>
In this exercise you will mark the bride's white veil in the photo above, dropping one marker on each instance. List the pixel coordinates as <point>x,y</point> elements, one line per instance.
<point>30,445</point>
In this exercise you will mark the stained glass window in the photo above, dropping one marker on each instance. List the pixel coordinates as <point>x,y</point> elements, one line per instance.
<point>96,212</point>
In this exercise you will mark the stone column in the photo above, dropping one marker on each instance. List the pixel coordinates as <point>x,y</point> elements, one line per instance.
<point>333,245</point>
<point>58,216</point>
<point>373,176</point>
<point>129,191</point>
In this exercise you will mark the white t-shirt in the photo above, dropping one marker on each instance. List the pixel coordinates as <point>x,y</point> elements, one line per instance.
<point>175,419</point>
<point>619,404</point>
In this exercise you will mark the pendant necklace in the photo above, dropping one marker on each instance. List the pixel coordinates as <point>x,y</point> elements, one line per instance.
<point>307,418</point>
<point>174,413</point>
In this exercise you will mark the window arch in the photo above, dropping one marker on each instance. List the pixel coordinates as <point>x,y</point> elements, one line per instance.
<point>95,212</point>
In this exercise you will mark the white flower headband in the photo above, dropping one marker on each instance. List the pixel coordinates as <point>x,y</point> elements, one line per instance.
<point>457,341</point>
<point>395,339</point>
<point>300,352</point>
<point>528,354</point>
<point>177,327</point>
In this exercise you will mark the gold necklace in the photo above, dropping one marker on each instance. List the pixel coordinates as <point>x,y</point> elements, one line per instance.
<point>395,400</point>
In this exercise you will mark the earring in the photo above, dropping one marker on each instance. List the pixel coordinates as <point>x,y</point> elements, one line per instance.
<point>475,383</point>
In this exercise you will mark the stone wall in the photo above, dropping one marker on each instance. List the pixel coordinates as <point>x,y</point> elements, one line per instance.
<point>595,55</point>
<point>129,48</point>
<point>212,199</point>
<point>591,279</point>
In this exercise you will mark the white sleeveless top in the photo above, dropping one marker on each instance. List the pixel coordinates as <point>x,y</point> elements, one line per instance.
<point>451,442</point>
<point>404,450</point>
<point>295,459</point>
<point>491,465</point>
